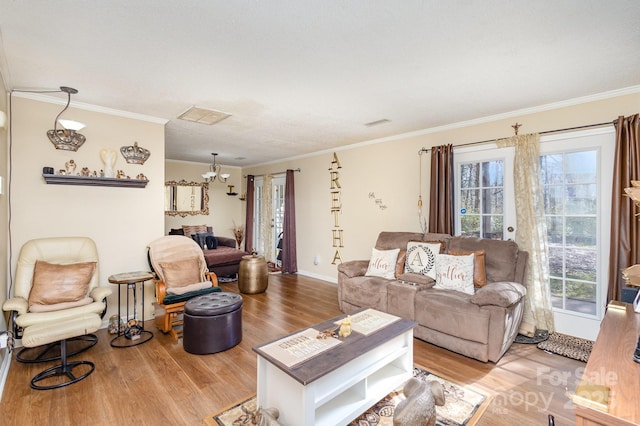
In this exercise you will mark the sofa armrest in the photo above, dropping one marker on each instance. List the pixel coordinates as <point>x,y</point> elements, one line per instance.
<point>354,268</point>
<point>17,304</point>
<point>226,241</point>
<point>502,294</point>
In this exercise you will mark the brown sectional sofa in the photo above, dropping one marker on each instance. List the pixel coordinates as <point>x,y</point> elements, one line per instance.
<point>480,326</point>
<point>224,261</point>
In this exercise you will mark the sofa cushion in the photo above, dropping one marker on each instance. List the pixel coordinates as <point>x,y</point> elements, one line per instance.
<point>421,258</point>
<point>451,312</point>
<point>382,263</point>
<point>479,270</point>
<point>502,294</point>
<point>367,292</point>
<point>223,255</point>
<point>53,283</point>
<point>189,288</point>
<point>454,272</point>
<point>500,256</point>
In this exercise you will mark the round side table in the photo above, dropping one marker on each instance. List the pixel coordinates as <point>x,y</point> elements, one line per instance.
<point>253,275</point>
<point>136,334</point>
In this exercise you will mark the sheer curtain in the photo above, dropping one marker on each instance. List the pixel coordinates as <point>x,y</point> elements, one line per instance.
<point>248,227</point>
<point>289,257</point>
<point>625,228</point>
<point>531,232</point>
<point>266,219</point>
<point>441,194</point>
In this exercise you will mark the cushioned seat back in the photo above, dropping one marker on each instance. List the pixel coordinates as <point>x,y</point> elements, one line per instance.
<point>393,240</point>
<point>502,257</point>
<point>174,248</point>
<point>58,250</point>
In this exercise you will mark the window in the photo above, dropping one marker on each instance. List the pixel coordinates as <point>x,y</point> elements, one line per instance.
<point>570,200</point>
<point>576,179</point>
<point>481,199</point>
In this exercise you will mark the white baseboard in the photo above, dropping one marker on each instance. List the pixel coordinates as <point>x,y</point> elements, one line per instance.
<point>4,369</point>
<point>332,280</point>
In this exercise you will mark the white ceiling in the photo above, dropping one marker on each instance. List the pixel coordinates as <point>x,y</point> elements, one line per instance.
<point>300,76</point>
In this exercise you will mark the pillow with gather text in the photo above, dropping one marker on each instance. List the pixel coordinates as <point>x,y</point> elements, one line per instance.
<point>53,283</point>
<point>454,273</point>
<point>479,270</point>
<point>382,263</point>
<point>421,258</point>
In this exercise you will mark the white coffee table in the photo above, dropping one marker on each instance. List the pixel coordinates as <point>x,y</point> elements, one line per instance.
<point>337,385</point>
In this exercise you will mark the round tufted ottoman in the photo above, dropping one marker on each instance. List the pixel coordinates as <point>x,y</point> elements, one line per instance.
<point>212,323</point>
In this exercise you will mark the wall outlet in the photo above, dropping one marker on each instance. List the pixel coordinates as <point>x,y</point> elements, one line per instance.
<point>316,260</point>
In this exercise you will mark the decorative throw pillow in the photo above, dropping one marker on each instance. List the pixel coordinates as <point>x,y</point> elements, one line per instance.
<point>181,273</point>
<point>421,258</point>
<point>479,271</point>
<point>402,257</point>
<point>454,273</point>
<point>211,242</point>
<point>202,237</point>
<point>382,263</point>
<point>53,283</point>
<point>190,230</point>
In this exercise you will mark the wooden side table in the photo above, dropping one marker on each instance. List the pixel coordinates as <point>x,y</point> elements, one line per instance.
<point>136,334</point>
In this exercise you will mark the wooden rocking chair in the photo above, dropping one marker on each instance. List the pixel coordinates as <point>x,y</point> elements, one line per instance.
<point>181,274</point>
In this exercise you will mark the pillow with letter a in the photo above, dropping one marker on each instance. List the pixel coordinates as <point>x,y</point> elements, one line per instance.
<point>421,258</point>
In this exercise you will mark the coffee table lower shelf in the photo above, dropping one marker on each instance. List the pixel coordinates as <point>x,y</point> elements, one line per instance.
<point>345,391</point>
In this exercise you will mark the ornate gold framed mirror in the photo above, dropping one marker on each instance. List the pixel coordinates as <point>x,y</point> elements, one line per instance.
<point>184,198</point>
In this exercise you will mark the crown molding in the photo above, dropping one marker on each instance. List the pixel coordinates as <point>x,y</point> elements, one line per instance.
<point>496,117</point>
<point>87,107</point>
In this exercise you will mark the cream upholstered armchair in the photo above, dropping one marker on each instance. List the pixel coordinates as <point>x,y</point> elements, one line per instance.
<point>57,297</point>
<point>181,274</point>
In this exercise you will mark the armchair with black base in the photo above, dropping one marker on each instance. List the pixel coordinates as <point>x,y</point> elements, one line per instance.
<point>57,298</point>
<point>181,274</point>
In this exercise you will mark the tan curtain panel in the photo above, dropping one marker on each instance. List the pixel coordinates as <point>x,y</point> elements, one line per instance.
<point>625,235</point>
<point>531,232</point>
<point>441,192</point>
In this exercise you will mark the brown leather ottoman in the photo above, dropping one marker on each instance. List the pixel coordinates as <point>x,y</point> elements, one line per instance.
<point>212,323</point>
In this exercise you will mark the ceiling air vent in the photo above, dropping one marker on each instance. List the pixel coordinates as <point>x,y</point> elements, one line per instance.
<point>203,115</point>
<point>377,122</point>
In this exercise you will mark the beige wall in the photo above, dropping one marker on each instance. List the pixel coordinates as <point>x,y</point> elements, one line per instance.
<point>3,221</point>
<point>390,170</point>
<point>223,209</point>
<point>120,220</point>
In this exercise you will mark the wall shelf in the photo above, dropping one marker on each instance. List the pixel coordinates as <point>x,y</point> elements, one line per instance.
<point>93,181</point>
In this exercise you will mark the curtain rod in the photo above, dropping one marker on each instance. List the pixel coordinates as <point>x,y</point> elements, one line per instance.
<point>276,173</point>
<point>546,132</point>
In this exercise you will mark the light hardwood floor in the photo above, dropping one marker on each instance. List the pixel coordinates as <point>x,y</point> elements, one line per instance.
<point>159,383</point>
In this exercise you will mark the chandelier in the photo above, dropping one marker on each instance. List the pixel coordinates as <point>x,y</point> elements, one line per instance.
<point>68,137</point>
<point>214,171</point>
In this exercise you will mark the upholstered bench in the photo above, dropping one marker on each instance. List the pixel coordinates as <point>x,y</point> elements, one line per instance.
<point>212,323</point>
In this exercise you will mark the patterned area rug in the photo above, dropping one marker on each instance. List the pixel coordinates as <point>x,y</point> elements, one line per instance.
<point>569,346</point>
<point>464,406</point>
